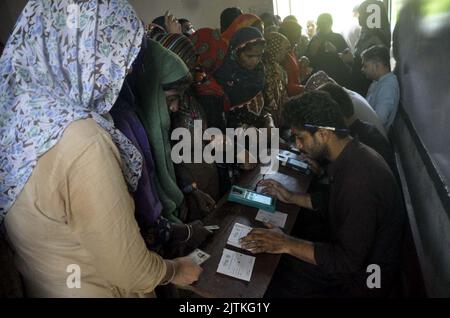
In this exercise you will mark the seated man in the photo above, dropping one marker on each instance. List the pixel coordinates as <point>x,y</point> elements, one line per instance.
<point>362,109</point>
<point>364,218</point>
<point>366,132</point>
<point>384,93</point>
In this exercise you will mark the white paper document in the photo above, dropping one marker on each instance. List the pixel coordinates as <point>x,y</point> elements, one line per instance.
<point>198,256</point>
<point>236,265</point>
<point>276,218</point>
<point>239,231</point>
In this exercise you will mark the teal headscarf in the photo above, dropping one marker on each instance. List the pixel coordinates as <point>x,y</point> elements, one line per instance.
<point>160,67</point>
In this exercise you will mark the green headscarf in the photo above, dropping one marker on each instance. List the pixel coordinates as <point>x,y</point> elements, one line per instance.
<point>160,66</point>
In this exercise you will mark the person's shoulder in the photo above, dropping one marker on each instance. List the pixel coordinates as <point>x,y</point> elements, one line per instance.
<point>83,129</point>
<point>388,82</point>
<point>80,134</point>
<point>393,78</point>
<point>338,35</point>
<point>370,160</point>
<point>357,98</point>
<point>390,78</point>
<point>371,131</point>
<point>316,36</point>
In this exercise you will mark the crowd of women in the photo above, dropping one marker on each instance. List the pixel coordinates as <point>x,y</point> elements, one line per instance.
<point>86,114</point>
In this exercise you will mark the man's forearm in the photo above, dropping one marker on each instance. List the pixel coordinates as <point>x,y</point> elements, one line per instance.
<point>302,200</point>
<point>301,249</point>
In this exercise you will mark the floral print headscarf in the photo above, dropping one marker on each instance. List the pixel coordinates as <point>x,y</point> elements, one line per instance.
<point>65,60</point>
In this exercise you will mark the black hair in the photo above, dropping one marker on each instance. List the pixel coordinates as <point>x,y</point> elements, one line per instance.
<point>268,19</point>
<point>228,16</point>
<point>315,108</point>
<point>378,53</point>
<point>290,18</point>
<point>160,21</point>
<point>183,20</point>
<point>290,29</point>
<point>341,97</point>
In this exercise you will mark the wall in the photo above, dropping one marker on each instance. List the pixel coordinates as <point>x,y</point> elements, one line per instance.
<point>421,133</point>
<point>428,217</point>
<point>201,13</point>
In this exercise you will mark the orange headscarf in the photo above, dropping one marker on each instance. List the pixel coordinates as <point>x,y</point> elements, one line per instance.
<point>212,46</point>
<point>242,21</point>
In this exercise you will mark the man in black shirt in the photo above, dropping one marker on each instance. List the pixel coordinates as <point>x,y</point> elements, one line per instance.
<point>365,218</point>
<point>325,48</point>
<point>366,133</point>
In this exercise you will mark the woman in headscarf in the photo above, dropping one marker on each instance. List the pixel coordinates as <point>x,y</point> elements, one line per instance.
<point>275,93</point>
<point>233,96</point>
<point>212,45</point>
<point>161,82</point>
<point>65,170</point>
<point>180,45</point>
<point>243,21</point>
<point>156,230</point>
<point>199,181</point>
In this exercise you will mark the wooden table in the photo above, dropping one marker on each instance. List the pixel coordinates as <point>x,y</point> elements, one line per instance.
<point>213,284</point>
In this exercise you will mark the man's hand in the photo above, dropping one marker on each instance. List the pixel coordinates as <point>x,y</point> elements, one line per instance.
<point>346,56</point>
<point>271,240</point>
<point>274,188</point>
<point>204,201</point>
<point>186,271</point>
<point>313,165</point>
